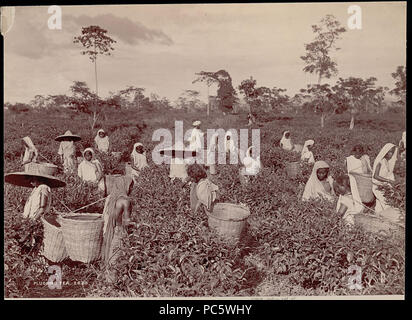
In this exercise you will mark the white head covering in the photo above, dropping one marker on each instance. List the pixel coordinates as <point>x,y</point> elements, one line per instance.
<point>196,123</point>
<point>139,159</point>
<point>29,143</point>
<point>196,137</point>
<point>286,143</point>
<point>252,166</point>
<point>102,143</point>
<point>314,188</point>
<point>88,149</point>
<point>391,162</point>
<point>306,154</point>
<point>229,144</point>
<point>86,169</point>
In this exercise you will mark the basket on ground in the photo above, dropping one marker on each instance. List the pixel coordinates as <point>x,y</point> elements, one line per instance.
<point>228,220</point>
<point>54,247</point>
<point>41,168</point>
<point>379,225</point>
<point>364,183</point>
<point>292,169</point>
<point>83,236</point>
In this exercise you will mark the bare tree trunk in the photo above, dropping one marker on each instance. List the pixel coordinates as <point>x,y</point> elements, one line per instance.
<point>94,120</point>
<point>208,101</point>
<point>322,117</point>
<point>352,121</point>
<point>97,92</point>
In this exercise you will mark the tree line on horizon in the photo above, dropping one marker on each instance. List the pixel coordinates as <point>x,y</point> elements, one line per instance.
<point>351,94</point>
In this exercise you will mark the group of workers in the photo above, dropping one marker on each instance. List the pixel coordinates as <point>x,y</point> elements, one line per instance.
<point>203,192</point>
<point>321,184</point>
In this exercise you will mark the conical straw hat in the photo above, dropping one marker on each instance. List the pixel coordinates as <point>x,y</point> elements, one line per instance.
<point>24,179</point>
<point>68,136</point>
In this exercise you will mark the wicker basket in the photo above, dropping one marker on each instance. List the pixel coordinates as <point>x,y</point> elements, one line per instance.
<point>83,236</point>
<point>376,224</point>
<point>292,169</point>
<point>54,247</point>
<point>228,220</point>
<point>364,183</point>
<point>42,168</point>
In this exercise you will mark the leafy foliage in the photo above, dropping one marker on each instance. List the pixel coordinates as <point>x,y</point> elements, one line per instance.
<point>317,58</point>
<point>400,84</point>
<point>289,247</point>
<point>95,41</point>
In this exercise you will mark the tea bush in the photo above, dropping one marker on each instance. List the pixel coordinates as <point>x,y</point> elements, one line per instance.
<point>289,247</point>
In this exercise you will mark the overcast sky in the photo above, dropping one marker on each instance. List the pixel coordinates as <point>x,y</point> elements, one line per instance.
<point>161,47</point>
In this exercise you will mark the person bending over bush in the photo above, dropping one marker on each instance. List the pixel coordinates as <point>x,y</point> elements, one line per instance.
<point>203,193</point>
<point>320,183</point>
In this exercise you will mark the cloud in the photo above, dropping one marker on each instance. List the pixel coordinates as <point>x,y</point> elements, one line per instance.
<point>125,29</point>
<point>31,38</point>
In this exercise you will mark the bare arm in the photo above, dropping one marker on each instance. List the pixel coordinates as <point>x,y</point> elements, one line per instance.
<point>378,177</point>
<point>42,207</point>
<point>342,210</point>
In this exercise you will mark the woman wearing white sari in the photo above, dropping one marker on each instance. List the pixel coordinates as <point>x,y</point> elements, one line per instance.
<point>102,141</point>
<point>286,142</point>
<point>30,153</point>
<point>357,163</point>
<point>67,150</point>
<point>229,143</point>
<point>320,183</point>
<point>307,154</point>
<point>383,173</point>
<point>90,170</point>
<point>138,160</point>
<point>251,166</point>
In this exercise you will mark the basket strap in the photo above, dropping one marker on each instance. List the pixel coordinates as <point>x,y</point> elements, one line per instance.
<point>63,204</point>
<point>61,168</point>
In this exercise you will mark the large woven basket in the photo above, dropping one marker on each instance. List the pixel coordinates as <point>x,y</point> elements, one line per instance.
<point>364,183</point>
<point>42,168</point>
<point>292,169</point>
<point>228,220</point>
<point>54,247</point>
<point>83,236</point>
<point>379,225</point>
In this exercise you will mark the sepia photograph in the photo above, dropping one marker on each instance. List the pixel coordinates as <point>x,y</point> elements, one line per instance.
<point>250,151</point>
